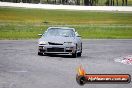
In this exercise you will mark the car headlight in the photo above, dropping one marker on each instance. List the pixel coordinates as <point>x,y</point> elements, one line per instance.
<point>42,43</point>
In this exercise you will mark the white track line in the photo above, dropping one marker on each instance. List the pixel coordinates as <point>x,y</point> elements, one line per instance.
<point>19,71</point>
<point>68,7</point>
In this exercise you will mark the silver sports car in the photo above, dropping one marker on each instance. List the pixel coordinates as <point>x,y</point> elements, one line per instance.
<point>60,40</point>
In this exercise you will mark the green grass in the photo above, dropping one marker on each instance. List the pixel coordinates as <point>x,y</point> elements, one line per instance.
<point>20,23</point>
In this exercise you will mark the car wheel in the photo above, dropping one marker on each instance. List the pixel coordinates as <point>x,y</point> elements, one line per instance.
<point>40,54</point>
<point>79,54</point>
<point>81,47</point>
<point>74,55</point>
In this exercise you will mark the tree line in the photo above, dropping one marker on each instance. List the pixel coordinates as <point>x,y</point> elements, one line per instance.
<point>107,2</point>
<point>116,2</point>
<point>73,2</point>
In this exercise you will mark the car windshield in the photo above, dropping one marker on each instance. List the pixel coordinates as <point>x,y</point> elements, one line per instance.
<point>60,32</point>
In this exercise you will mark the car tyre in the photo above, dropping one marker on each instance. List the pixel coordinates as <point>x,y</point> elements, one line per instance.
<point>74,55</point>
<point>40,54</point>
<point>79,54</point>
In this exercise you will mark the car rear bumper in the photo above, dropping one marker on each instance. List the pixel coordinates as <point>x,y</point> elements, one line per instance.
<point>57,49</point>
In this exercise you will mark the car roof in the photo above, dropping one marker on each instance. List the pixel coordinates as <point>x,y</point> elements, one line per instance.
<point>61,28</point>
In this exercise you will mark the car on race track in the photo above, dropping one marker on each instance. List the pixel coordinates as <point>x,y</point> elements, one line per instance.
<point>60,40</point>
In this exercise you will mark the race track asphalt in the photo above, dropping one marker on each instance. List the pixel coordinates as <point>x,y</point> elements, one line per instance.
<point>21,67</point>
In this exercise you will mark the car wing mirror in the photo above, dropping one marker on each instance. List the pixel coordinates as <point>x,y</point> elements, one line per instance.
<point>39,34</point>
<point>77,35</point>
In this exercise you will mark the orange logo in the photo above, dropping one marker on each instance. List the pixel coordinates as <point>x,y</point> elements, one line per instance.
<point>83,78</point>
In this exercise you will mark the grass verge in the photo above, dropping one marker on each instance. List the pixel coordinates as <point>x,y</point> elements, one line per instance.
<point>21,23</point>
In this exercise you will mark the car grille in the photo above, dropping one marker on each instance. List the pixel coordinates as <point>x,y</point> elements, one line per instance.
<point>68,50</point>
<point>51,43</point>
<point>55,49</point>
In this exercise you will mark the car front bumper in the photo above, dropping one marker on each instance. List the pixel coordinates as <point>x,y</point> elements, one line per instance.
<point>57,49</point>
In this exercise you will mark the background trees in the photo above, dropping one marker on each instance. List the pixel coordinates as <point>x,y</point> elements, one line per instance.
<point>90,2</point>
<point>116,2</point>
<point>76,2</point>
<point>124,2</point>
